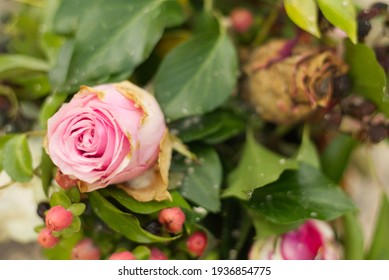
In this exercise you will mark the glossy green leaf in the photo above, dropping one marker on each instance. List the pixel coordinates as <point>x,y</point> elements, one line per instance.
<point>304,13</point>
<point>74,194</point>
<point>74,227</point>
<point>141,252</point>
<point>336,155</point>
<point>62,251</point>
<point>257,167</point>
<point>342,14</point>
<point>368,76</point>
<point>307,152</point>
<point>47,167</point>
<point>121,222</point>
<point>10,62</point>
<point>212,128</point>
<point>145,207</point>
<point>353,238</point>
<point>77,208</point>
<point>299,195</point>
<point>3,140</point>
<point>197,76</point>
<point>202,180</point>
<point>105,49</point>
<point>17,160</point>
<point>51,104</point>
<point>60,198</point>
<point>379,249</point>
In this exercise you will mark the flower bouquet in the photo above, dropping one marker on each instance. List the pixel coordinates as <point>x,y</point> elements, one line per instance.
<point>187,129</point>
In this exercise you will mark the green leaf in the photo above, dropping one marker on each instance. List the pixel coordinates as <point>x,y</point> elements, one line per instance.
<point>60,198</point>
<point>175,13</point>
<point>3,140</point>
<point>336,155</point>
<point>379,249</point>
<point>74,227</point>
<point>77,208</point>
<point>299,195</point>
<point>17,160</point>
<point>141,252</point>
<point>62,251</point>
<point>368,76</point>
<point>197,76</point>
<point>74,194</point>
<point>47,167</point>
<point>50,106</point>
<point>105,48</point>
<point>307,152</point>
<point>342,14</point>
<point>121,222</point>
<point>212,128</point>
<point>304,13</point>
<point>201,180</point>
<point>145,207</point>
<point>257,167</point>
<point>11,62</point>
<point>353,238</point>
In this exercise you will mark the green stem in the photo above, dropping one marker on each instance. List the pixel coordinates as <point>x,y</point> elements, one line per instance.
<point>35,133</point>
<point>208,6</point>
<point>267,25</point>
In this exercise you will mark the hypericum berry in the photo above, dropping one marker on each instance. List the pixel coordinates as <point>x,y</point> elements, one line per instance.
<point>64,181</point>
<point>42,208</point>
<point>157,254</point>
<point>241,19</point>
<point>126,255</point>
<point>58,218</point>
<point>173,219</point>
<point>46,239</point>
<point>85,250</point>
<point>196,243</point>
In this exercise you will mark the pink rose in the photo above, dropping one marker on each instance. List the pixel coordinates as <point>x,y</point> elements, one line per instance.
<point>313,240</point>
<point>111,134</point>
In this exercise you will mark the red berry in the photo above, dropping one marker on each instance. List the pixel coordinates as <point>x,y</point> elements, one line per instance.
<point>157,254</point>
<point>126,255</point>
<point>85,250</point>
<point>173,219</point>
<point>58,218</point>
<point>241,19</point>
<point>64,181</point>
<point>46,239</point>
<point>196,243</point>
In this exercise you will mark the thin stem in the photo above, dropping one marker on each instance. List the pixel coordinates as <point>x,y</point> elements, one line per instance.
<point>267,25</point>
<point>208,6</point>
<point>373,170</point>
<point>7,185</point>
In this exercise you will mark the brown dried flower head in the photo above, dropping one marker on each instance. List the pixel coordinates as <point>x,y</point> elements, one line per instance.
<point>288,81</point>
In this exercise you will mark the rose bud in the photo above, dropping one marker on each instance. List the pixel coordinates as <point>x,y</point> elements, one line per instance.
<point>156,254</point>
<point>85,250</point>
<point>241,19</point>
<point>288,81</point>
<point>58,218</point>
<point>196,243</point>
<point>173,219</point>
<point>46,239</point>
<point>111,134</point>
<point>126,255</point>
<point>314,240</point>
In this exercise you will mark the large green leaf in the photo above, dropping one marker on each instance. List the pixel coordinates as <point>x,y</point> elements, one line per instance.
<point>301,194</point>
<point>197,76</point>
<point>379,249</point>
<point>341,13</point>
<point>112,38</point>
<point>368,76</point>
<point>257,167</point>
<point>50,106</point>
<point>145,207</point>
<point>200,180</point>
<point>17,160</point>
<point>124,223</point>
<point>12,62</point>
<point>336,155</point>
<point>304,14</point>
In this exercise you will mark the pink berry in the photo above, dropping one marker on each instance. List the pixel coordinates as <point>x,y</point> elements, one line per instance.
<point>173,219</point>
<point>46,239</point>
<point>126,255</point>
<point>157,254</point>
<point>58,218</point>
<point>196,243</point>
<point>85,250</point>
<point>241,19</point>
<point>64,181</point>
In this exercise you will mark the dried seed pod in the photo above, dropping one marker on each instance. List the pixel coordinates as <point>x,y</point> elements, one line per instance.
<point>288,81</point>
